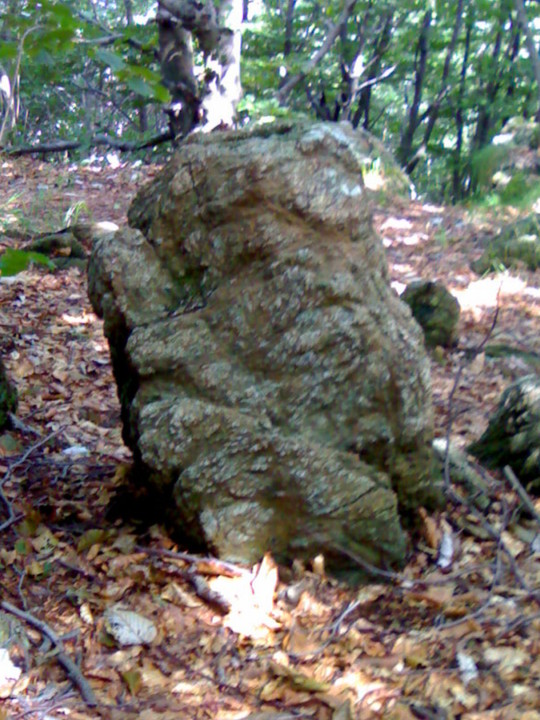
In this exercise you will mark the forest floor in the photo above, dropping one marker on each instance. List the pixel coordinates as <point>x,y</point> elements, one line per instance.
<point>424,643</point>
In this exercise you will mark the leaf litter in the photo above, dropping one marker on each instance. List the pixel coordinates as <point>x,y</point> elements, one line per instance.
<point>455,634</point>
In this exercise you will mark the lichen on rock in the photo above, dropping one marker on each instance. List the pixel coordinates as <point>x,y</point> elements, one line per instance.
<point>274,389</point>
<point>513,434</point>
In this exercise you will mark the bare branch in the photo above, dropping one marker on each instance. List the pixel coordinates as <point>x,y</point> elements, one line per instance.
<point>333,34</point>
<point>67,663</point>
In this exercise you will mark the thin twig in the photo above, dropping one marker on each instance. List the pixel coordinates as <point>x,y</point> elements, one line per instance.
<point>24,457</point>
<point>516,624</point>
<point>73,672</point>
<point>476,351</point>
<point>523,494</point>
<point>22,427</point>
<point>12,517</point>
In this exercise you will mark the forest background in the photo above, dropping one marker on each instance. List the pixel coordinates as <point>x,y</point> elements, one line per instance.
<point>436,80</point>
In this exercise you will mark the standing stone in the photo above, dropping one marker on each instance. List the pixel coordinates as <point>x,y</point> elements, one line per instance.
<point>275,391</point>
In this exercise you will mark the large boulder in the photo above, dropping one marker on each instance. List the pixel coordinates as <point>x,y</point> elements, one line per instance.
<point>275,391</point>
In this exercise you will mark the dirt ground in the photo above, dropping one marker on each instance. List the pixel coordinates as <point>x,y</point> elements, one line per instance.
<point>433,642</point>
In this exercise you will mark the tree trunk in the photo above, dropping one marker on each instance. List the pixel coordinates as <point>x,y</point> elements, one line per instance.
<point>312,63</point>
<point>531,47</point>
<point>206,97</point>
<point>436,105</point>
<point>457,175</point>
<point>404,151</point>
<point>381,46</point>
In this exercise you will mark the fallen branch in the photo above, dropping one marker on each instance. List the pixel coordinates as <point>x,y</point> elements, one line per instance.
<point>73,672</point>
<point>204,566</point>
<point>19,425</point>
<point>97,140</point>
<point>520,490</point>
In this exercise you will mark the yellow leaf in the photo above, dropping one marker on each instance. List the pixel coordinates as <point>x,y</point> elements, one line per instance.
<point>34,569</point>
<point>44,542</point>
<point>133,680</point>
<point>89,538</point>
<point>298,679</point>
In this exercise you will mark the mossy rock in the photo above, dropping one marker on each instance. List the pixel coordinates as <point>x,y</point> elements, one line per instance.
<point>436,310</point>
<point>8,397</point>
<point>63,248</point>
<point>513,434</point>
<point>516,245</point>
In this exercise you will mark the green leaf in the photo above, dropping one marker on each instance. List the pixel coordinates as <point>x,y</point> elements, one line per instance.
<point>62,15</point>
<point>141,87</point>
<point>13,261</point>
<point>90,538</point>
<point>114,61</point>
<point>161,94</point>
<point>8,50</point>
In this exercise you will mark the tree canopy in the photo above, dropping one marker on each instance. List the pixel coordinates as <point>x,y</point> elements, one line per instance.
<point>435,80</point>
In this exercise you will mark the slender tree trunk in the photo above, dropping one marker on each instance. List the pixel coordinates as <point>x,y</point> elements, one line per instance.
<point>404,151</point>
<point>531,48</point>
<point>436,105</point>
<point>457,175</point>
<point>142,111</point>
<point>128,6</point>
<point>484,120</point>
<point>375,62</point>
<point>289,17</point>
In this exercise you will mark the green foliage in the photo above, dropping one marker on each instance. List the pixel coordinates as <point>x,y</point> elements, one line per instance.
<point>80,73</point>
<point>84,70</point>
<point>74,212</point>
<point>485,162</point>
<point>14,261</point>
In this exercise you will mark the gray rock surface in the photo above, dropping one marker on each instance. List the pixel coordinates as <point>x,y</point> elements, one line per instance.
<point>274,390</point>
<point>513,434</point>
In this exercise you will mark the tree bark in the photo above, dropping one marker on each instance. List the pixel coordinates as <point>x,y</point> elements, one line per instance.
<point>207,98</point>
<point>404,151</point>
<point>289,16</point>
<point>381,46</point>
